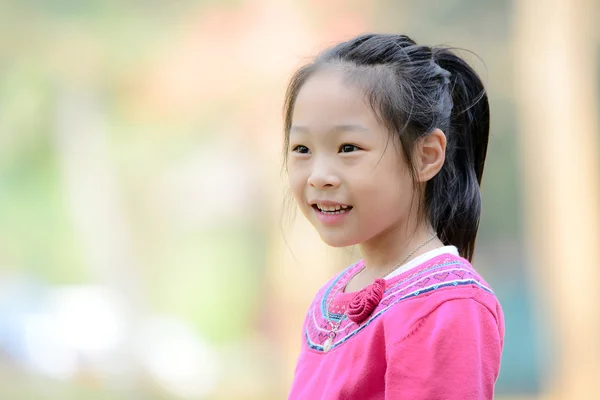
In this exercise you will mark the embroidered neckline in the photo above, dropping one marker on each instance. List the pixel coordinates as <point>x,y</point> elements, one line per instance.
<point>445,270</point>
<point>342,298</point>
<point>335,290</point>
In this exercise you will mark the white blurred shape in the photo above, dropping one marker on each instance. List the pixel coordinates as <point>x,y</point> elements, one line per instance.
<point>88,319</point>
<point>46,354</point>
<point>77,322</point>
<point>176,357</point>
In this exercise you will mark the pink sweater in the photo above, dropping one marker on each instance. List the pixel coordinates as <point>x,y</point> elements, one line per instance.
<point>437,333</point>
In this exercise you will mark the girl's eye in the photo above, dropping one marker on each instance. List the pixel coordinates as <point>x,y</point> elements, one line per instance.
<point>301,149</point>
<point>348,148</point>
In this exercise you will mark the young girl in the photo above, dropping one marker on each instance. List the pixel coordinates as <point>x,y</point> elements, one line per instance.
<point>385,147</point>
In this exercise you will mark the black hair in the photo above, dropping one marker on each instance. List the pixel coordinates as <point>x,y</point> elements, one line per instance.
<point>413,90</point>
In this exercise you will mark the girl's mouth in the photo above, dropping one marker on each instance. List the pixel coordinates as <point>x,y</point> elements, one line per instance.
<point>332,210</point>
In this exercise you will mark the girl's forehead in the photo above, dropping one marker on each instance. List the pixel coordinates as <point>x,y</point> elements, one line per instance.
<point>327,84</point>
<point>327,98</point>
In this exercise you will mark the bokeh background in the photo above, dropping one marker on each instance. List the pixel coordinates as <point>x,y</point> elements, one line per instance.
<point>145,248</point>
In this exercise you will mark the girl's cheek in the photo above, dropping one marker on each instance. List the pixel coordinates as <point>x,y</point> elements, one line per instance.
<point>296,183</point>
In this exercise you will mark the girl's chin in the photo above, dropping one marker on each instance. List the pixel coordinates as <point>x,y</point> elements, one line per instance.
<point>337,241</point>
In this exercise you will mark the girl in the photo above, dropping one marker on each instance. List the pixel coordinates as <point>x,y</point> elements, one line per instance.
<point>385,146</point>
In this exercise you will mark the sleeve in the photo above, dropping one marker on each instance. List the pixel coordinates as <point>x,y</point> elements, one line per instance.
<point>453,353</point>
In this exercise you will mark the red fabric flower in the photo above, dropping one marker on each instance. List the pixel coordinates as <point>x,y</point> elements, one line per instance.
<point>365,301</point>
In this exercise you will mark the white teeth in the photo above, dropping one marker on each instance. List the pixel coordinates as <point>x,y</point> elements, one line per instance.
<point>337,209</point>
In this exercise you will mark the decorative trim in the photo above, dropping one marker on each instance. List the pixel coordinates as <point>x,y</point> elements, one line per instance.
<point>446,272</point>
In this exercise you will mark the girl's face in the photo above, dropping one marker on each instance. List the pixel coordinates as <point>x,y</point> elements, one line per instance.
<point>346,174</point>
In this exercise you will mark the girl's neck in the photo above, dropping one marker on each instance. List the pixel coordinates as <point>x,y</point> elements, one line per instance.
<point>383,253</point>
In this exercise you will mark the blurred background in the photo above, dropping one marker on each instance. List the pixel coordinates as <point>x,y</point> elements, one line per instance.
<point>145,249</point>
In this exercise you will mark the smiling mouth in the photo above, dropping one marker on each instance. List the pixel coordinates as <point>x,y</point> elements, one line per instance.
<point>338,209</point>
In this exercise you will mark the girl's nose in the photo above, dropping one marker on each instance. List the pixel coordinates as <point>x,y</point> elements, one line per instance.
<point>322,177</point>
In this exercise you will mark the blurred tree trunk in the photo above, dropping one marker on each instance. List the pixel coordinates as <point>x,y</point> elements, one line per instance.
<point>555,43</point>
<point>92,195</point>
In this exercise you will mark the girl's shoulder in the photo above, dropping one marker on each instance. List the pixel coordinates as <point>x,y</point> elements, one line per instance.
<point>448,284</point>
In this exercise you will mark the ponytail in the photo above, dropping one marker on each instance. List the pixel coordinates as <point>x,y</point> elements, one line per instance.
<point>452,197</point>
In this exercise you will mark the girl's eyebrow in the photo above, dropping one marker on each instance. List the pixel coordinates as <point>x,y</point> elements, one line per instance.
<point>334,129</point>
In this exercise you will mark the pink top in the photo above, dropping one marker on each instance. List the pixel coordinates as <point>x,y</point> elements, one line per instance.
<point>435,331</point>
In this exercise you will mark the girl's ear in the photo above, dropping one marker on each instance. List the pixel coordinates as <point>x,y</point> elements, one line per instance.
<point>430,155</point>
